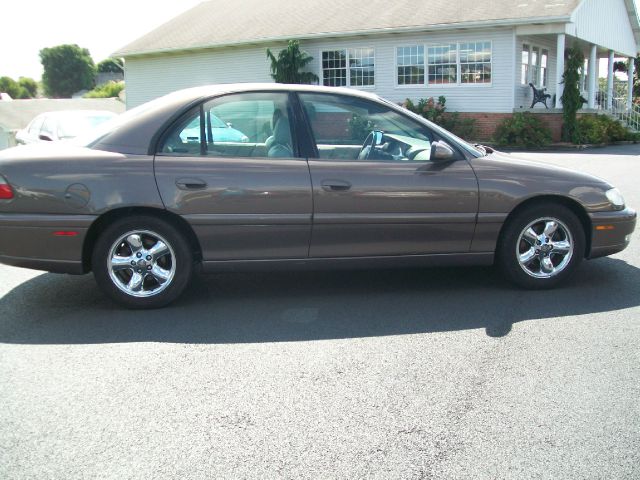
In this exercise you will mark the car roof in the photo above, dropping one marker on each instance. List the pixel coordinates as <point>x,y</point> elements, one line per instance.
<point>219,89</point>
<point>77,113</point>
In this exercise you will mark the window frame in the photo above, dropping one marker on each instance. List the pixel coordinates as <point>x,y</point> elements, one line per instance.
<point>458,82</point>
<point>538,81</point>
<point>424,66</point>
<point>348,66</point>
<point>295,124</point>
<point>308,137</point>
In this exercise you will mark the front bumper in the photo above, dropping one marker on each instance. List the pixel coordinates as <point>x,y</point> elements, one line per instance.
<point>611,231</point>
<point>34,241</point>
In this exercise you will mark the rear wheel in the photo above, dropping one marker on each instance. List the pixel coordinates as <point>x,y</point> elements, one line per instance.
<point>142,262</point>
<point>541,246</point>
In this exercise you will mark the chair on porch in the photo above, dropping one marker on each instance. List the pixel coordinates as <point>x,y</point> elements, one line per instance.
<point>540,95</point>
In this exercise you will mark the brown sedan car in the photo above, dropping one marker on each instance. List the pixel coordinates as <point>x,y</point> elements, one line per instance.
<point>319,177</point>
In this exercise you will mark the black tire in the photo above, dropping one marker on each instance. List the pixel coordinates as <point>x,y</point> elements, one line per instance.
<point>178,260</point>
<point>512,242</point>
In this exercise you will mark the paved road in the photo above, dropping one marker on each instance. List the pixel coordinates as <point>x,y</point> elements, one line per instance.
<point>442,373</point>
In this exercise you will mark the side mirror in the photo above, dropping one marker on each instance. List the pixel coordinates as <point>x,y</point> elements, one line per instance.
<point>377,137</point>
<point>441,152</point>
<point>46,138</point>
<point>229,124</point>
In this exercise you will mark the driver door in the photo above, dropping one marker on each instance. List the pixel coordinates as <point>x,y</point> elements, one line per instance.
<point>380,203</point>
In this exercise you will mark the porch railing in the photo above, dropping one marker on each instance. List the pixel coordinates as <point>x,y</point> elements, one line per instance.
<point>619,110</point>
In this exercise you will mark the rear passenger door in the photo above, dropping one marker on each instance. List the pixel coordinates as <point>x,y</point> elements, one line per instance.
<point>231,167</point>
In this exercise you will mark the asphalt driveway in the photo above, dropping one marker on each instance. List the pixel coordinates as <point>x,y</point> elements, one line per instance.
<point>433,373</point>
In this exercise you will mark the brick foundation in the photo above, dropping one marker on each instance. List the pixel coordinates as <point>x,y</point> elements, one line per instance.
<point>486,123</point>
<point>336,126</point>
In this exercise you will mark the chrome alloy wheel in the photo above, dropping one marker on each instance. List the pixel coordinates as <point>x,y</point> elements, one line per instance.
<point>141,263</point>
<point>544,248</point>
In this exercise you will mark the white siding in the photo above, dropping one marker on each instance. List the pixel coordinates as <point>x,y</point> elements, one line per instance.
<point>605,23</point>
<point>150,77</point>
<point>523,93</point>
<point>494,97</point>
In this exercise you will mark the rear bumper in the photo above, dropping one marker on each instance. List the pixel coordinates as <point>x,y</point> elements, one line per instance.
<point>34,241</point>
<point>611,232</point>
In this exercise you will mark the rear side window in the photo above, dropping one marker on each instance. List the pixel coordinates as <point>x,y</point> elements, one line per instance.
<point>239,125</point>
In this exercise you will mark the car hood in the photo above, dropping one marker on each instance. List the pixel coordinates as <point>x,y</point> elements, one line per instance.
<point>506,164</point>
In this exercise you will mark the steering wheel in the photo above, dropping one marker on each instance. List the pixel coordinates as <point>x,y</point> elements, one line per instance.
<point>370,142</point>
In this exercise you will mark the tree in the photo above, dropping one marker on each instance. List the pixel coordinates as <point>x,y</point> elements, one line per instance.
<point>23,88</point>
<point>67,69</point>
<point>10,86</point>
<point>111,65</point>
<point>29,87</point>
<point>286,68</point>
<point>571,98</point>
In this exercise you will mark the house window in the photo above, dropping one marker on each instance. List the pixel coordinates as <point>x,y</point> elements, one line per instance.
<point>443,67</point>
<point>535,66</point>
<point>544,67</point>
<point>334,68</point>
<point>360,63</point>
<point>475,62</point>
<point>524,72</point>
<point>410,62</point>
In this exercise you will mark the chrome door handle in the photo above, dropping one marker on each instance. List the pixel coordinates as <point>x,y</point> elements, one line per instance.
<point>191,184</point>
<point>335,185</point>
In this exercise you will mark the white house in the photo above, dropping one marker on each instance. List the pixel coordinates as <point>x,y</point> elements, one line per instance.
<point>480,55</point>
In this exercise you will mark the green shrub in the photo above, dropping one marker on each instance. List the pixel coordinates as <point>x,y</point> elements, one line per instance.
<point>523,130</point>
<point>108,90</point>
<point>436,111</point>
<point>601,129</point>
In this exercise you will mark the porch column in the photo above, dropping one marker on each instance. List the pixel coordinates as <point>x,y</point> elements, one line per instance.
<point>610,81</point>
<point>630,71</point>
<point>559,69</point>
<point>593,76</point>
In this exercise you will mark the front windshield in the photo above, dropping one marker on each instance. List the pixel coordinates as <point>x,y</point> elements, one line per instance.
<point>73,125</point>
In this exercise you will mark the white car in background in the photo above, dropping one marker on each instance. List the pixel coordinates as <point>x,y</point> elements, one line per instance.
<point>63,125</point>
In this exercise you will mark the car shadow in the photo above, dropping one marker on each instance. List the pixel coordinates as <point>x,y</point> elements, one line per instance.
<point>305,306</point>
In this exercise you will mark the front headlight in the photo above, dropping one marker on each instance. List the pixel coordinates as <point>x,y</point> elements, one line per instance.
<point>615,197</point>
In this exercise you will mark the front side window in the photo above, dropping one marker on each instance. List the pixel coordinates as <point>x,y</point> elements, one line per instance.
<point>354,67</point>
<point>410,62</point>
<point>475,62</point>
<point>342,127</point>
<point>442,62</point>
<point>239,125</point>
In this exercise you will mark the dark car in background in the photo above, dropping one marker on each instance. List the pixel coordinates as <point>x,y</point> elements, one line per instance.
<point>320,177</point>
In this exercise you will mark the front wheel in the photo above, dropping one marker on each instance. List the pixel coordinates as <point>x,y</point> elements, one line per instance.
<point>541,246</point>
<point>142,262</point>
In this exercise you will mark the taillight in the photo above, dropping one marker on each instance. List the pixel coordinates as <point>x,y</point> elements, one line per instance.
<point>6,192</point>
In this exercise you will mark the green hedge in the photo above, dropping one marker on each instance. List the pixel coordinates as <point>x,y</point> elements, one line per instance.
<point>600,129</point>
<point>523,130</point>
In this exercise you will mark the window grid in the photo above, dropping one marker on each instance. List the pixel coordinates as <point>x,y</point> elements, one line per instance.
<point>475,62</point>
<point>361,67</point>
<point>353,67</point>
<point>410,64</point>
<point>442,61</point>
<point>334,68</point>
